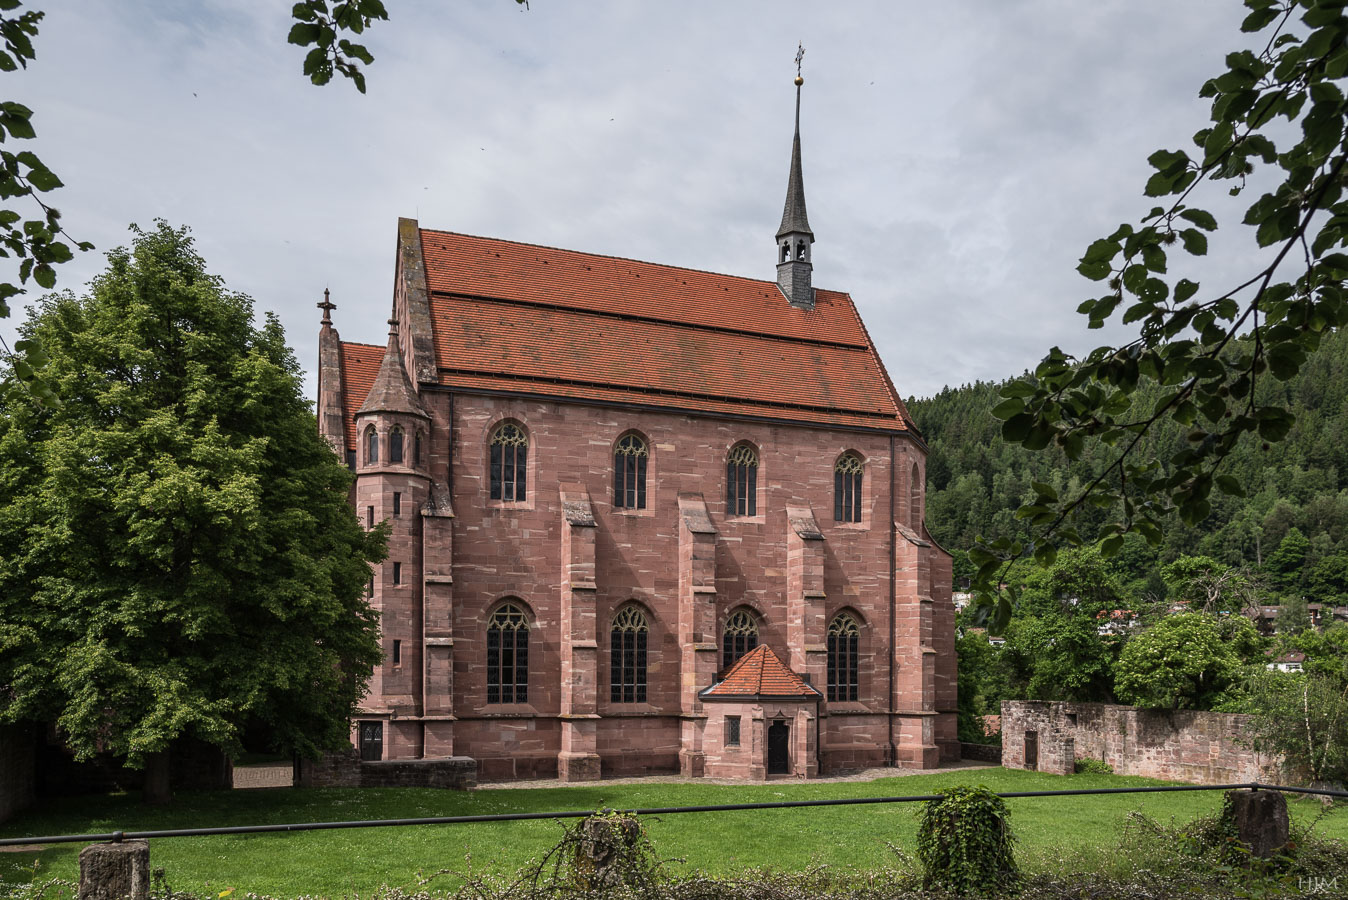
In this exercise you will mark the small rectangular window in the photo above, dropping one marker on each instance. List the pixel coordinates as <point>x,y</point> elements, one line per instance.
<point>732,731</point>
<point>369,517</point>
<point>397,653</point>
<point>397,503</point>
<point>370,588</point>
<point>397,573</point>
<point>351,460</point>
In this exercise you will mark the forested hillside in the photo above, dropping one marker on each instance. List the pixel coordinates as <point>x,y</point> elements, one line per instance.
<point>1292,524</point>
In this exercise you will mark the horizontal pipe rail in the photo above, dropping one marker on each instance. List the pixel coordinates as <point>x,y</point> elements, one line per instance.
<point>117,836</point>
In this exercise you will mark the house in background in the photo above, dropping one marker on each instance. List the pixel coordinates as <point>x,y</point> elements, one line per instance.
<point>645,519</point>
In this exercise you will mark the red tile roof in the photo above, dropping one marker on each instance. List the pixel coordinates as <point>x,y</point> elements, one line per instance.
<point>360,365</point>
<point>537,320</point>
<point>759,673</point>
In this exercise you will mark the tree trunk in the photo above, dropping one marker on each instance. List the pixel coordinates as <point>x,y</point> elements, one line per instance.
<point>158,789</point>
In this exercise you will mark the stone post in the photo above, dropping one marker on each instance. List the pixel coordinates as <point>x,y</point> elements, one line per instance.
<point>115,871</point>
<point>1261,821</point>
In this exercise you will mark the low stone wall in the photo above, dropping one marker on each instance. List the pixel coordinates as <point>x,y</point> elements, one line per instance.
<point>346,769</point>
<point>1176,745</point>
<point>18,775</point>
<point>981,752</point>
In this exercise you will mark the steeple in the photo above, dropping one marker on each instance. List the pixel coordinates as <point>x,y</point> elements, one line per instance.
<point>794,237</point>
<point>392,391</point>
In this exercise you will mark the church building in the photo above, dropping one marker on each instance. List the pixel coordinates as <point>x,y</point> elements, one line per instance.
<point>645,519</point>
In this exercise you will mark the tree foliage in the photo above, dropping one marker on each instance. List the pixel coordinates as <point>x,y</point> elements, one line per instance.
<point>977,482</point>
<point>1182,662</point>
<point>177,554</point>
<point>1303,718</point>
<point>1208,349</point>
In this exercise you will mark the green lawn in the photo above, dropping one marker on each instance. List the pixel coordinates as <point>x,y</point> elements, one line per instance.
<point>1077,829</point>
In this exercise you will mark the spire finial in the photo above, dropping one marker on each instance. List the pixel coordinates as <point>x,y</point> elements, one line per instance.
<point>327,306</point>
<point>393,327</point>
<point>794,237</point>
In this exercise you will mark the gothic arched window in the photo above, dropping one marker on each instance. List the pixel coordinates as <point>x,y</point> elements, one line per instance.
<point>915,499</point>
<point>509,457</point>
<point>844,636</point>
<point>741,481</point>
<point>416,449</point>
<point>627,656</point>
<point>740,636</point>
<point>371,446</point>
<point>395,445</point>
<point>847,488</point>
<point>629,472</point>
<point>508,655</point>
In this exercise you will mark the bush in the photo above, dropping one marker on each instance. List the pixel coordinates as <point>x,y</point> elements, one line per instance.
<point>1088,766</point>
<point>964,843</point>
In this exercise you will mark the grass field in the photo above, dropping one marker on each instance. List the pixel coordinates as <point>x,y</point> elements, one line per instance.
<point>1081,830</point>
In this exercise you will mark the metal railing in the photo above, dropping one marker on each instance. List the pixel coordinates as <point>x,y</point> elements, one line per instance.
<point>117,836</point>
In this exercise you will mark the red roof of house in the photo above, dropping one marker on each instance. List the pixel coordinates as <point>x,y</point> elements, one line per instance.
<point>559,323</point>
<point>759,673</point>
<point>360,365</point>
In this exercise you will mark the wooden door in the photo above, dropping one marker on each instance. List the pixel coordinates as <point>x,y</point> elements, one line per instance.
<point>779,756</point>
<point>371,741</point>
<point>1032,750</point>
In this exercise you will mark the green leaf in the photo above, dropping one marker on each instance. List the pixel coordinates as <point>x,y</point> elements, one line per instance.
<point>1008,408</point>
<point>1194,241</point>
<point>43,180</point>
<point>1184,289</point>
<point>1230,486</point>
<point>1017,428</point>
<point>1153,257</point>
<point>1200,217</point>
<point>1259,19</point>
<point>303,34</point>
<point>1001,617</point>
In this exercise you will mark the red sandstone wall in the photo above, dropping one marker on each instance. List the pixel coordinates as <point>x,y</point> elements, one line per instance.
<point>1177,745</point>
<point>502,550</point>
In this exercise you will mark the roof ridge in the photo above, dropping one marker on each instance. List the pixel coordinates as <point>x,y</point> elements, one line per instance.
<point>631,259</point>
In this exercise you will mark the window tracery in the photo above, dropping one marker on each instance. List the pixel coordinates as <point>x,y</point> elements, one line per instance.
<point>627,656</point>
<point>508,655</point>
<point>509,461</point>
<point>629,472</point>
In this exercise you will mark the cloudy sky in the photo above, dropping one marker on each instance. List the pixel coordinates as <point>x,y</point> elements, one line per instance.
<point>958,156</point>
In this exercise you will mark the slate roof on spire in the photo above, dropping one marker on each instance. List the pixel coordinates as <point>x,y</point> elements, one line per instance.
<point>392,391</point>
<point>794,219</point>
<point>760,674</point>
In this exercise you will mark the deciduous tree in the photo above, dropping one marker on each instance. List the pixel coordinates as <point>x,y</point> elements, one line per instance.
<point>177,554</point>
<point>1182,662</point>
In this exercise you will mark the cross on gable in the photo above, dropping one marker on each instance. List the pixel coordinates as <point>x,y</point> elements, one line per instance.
<point>327,306</point>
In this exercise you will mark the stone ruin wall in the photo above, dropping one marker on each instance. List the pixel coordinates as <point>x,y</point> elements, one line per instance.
<point>1175,745</point>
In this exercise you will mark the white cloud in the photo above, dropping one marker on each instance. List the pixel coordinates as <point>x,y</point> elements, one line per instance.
<point>958,157</point>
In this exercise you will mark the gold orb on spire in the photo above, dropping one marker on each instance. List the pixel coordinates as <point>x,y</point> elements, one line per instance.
<point>799,81</point>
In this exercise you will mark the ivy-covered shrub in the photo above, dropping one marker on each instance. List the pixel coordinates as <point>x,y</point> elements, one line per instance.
<point>1088,766</point>
<point>965,842</point>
